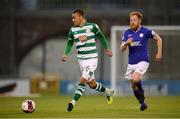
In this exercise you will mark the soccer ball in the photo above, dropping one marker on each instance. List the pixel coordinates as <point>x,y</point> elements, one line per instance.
<point>28,106</point>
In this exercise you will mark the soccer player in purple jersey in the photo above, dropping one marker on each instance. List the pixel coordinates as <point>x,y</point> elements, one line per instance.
<point>136,39</point>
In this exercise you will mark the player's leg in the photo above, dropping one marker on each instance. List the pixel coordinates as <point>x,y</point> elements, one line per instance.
<point>80,87</point>
<point>77,94</point>
<point>90,76</point>
<point>100,88</point>
<point>138,91</point>
<point>97,85</point>
<point>137,86</point>
<point>87,69</point>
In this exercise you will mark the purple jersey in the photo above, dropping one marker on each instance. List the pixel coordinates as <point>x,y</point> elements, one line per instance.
<point>138,50</point>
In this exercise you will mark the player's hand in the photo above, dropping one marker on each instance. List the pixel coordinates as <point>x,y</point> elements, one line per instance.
<point>108,52</point>
<point>158,56</point>
<point>129,41</point>
<point>64,58</point>
<point>83,38</point>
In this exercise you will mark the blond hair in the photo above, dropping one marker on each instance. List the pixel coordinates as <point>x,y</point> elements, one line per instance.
<point>138,14</point>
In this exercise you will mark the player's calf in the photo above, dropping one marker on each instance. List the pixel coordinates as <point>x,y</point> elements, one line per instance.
<point>78,93</point>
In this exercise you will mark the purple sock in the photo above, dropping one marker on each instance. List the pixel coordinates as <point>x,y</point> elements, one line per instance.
<point>140,88</point>
<point>139,95</point>
<point>139,85</point>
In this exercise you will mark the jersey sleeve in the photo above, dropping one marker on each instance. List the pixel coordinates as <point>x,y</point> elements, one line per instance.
<point>150,34</point>
<point>96,29</point>
<point>69,44</point>
<point>70,35</point>
<point>103,40</point>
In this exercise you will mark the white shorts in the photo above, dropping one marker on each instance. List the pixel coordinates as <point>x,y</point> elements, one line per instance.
<point>140,67</point>
<point>88,66</point>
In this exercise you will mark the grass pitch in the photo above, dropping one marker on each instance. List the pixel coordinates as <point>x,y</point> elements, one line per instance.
<point>54,106</point>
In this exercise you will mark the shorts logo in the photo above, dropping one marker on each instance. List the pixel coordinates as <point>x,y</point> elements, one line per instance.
<point>90,73</point>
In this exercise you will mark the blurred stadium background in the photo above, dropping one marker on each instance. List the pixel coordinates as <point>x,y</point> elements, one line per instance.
<point>33,35</point>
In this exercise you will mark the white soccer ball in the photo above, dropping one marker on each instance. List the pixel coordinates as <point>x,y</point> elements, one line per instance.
<point>28,106</point>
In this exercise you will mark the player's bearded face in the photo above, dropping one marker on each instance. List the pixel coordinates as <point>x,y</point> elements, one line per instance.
<point>76,19</point>
<point>134,22</point>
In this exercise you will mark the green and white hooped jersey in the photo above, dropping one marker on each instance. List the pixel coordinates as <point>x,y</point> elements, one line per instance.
<point>87,49</point>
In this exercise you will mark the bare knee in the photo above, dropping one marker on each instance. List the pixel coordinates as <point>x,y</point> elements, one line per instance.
<point>92,84</point>
<point>82,81</point>
<point>135,79</point>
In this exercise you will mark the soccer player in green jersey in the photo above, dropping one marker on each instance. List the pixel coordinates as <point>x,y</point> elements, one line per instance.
<point>83,34</point>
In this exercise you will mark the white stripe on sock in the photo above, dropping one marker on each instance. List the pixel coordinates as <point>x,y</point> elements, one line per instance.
<point>97,86</point>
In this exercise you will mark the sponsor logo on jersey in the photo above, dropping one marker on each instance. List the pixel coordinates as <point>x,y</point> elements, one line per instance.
<point>136,43</point>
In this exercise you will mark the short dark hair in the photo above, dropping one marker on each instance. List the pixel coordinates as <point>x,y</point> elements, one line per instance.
<point>79,11</point>
<point>138,14</point>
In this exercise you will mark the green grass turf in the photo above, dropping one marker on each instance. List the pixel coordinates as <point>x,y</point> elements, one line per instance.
<point>91,107</point>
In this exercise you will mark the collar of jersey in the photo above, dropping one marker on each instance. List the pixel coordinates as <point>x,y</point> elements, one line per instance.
<point>137,30</point>
<point>83,24</point>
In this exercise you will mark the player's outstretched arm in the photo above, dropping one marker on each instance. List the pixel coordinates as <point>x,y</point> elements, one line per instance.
<point>159,47</point>
<point>67,50</point>
<point>105,44</point>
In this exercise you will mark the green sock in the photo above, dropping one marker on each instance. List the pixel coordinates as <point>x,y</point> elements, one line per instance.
<point>100,87</point>
<point>79,91</point>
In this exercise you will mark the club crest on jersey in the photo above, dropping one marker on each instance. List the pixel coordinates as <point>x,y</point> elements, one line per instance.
<point>141,35</point>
